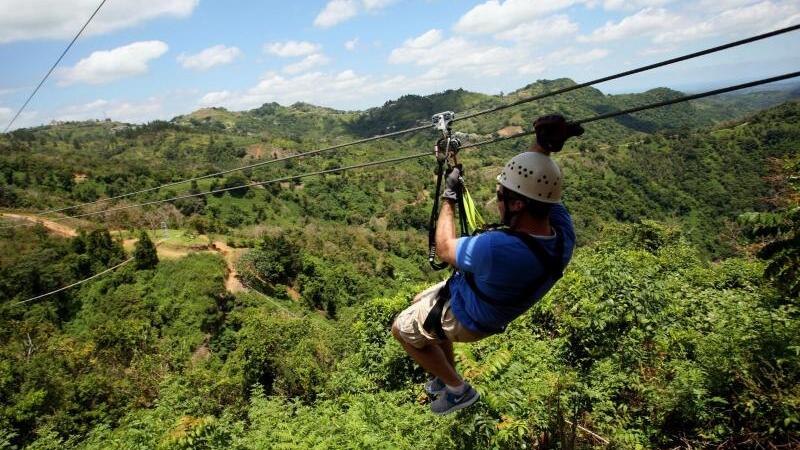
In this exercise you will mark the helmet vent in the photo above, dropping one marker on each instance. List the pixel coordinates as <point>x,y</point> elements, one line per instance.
<point>533,176</point>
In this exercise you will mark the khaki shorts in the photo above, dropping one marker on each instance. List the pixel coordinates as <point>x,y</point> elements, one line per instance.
<point>409,322</point>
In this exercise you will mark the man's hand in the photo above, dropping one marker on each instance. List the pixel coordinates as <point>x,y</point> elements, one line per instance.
<point>552,132</point>
<point>453,183</point>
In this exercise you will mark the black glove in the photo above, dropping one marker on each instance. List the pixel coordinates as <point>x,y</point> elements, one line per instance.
<point>441,146</point>
<point>553,131</point>
<point>452,183</point>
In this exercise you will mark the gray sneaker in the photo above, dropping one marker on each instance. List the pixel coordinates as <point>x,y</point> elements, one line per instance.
<point>449,402</point>
<point>434,386</point>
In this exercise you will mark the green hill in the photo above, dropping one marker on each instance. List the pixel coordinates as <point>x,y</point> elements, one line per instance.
<point>663,332</point>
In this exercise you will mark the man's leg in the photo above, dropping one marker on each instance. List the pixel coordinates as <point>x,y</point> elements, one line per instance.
<point>447,348</point>
<point>436,359</point>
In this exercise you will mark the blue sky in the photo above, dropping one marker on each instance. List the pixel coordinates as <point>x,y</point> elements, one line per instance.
<point>154,59</point>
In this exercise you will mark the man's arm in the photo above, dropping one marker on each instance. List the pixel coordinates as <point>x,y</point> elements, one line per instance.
<point>446,240</point>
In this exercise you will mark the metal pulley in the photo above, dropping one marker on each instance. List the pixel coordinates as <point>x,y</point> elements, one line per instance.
<point>443,121</point>
<point>447,147</point>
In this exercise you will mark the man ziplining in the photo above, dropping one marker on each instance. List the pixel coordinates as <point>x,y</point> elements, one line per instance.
<point>499,274</point>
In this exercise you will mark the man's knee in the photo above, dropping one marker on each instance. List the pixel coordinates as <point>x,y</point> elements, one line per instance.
<point>396,331</point>
<point>403,340</point>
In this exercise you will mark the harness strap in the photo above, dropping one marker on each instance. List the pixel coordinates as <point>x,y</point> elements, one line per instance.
<point>552,266</point>
<point>433,322</point>
<point>462,217</point>
<point>432,222</point>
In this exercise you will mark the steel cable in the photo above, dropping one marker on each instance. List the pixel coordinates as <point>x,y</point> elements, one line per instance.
<point>416,156</point>
<point>464,117</point>
<point>53,67</point>
<point>605,116</point>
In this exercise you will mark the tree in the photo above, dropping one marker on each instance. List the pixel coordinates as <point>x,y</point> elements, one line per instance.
<point>235,180</point>
<point>145,253</point>
<point>275,260</point>
<point>780,231</point>
<point>8,197</point>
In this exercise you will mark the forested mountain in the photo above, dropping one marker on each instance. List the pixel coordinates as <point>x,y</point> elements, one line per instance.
<point>665,331</point>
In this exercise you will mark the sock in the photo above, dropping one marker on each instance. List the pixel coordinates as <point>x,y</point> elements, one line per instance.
<point>458,390</point>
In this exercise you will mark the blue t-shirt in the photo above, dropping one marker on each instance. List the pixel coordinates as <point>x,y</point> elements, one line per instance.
<point>503,267</point>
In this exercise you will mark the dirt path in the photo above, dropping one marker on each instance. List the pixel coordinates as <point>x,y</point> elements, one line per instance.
<point>231,255</point>
<point>164,251</point>
<point>509,131</point>
<point>56,227</point>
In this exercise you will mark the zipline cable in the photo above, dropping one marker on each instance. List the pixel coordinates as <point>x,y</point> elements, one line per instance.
<point>49,72</point>
<point>236,169</point>
<point>632,72</point>
<point>463,147</point>
<point>458,117</point>
<point>660,104</point>
<point>77,283</point>
<point>110,269</point>
<point>416,156</point>
<point>257,183</point>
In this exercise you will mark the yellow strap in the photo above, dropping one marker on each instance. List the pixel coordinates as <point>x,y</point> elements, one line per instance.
<point>474,219</point>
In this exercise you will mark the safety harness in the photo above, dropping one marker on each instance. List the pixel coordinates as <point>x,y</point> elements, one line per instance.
<point>468,217</point>
<point>553,270</point>
<point>472,223</point>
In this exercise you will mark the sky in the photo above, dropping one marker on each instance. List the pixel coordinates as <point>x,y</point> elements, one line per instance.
<point>142,60</point>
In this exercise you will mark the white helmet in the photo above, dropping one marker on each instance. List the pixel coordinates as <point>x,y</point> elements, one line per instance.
<point>533,175</point>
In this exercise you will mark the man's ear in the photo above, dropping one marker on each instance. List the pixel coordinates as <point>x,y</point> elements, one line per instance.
<point>517,205</point>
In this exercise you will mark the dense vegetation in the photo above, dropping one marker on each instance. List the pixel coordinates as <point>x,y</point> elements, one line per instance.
<point>676,324</point>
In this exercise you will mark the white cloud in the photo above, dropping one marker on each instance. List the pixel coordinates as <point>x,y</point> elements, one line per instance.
<point>122,111</point>
<point>478,59</point>
<point>5,115</point>
<point>759,17</point>
<point>658,50</point>
<point>573,57</point>
<point>645,22</point>
<point>494,16</point>
<point>563,57</point>
<point>308,63</point>
<point>338,11</point>
<point>698,20</point>
<point>632,4</point>
<point>109,65</point>
<point>28,118</point>
<point>340,89</point>
<point>335,12</point>
<point>541,30</point>
<point>371,5</point>
<point>351,44</point>
<point>216,98</point>
<point>60,19</point>
<point>714,6</point>
<point>425,40</point>
<point>210,57</point>
<point>291,48</point>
